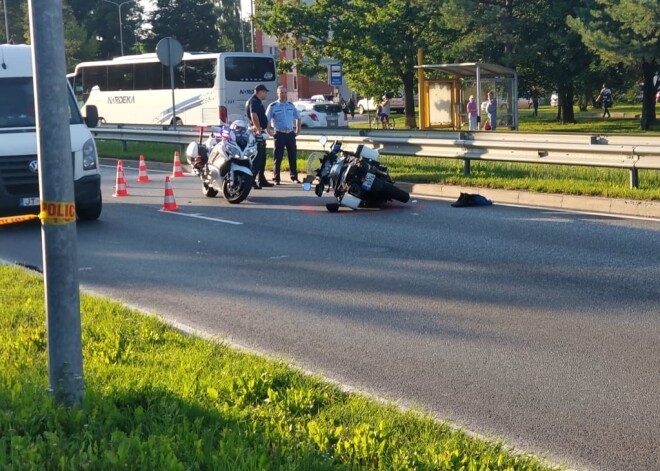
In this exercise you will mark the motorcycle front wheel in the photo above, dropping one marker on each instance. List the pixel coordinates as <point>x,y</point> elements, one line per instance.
<point>237,190</point>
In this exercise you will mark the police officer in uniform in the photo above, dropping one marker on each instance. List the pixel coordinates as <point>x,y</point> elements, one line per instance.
<point>256,114</point>
<point>284,125</point>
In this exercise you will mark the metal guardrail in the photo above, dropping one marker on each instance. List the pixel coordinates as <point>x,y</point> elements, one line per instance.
<point>633,153</point>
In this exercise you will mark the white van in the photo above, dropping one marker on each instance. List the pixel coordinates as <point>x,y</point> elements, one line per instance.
<point>19,172</point>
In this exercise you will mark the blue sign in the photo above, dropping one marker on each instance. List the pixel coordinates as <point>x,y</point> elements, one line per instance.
<point>335,74</point>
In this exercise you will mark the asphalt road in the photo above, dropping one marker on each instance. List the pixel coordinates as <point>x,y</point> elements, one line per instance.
<point>535,326</point>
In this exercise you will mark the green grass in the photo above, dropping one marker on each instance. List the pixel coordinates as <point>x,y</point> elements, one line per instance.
<point>588,181</point>
<point>158,399</point>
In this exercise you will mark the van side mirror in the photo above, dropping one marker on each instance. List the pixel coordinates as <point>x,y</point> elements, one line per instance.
<point>91,116</point>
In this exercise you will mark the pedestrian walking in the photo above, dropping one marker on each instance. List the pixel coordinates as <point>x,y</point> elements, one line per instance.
<point>284,126</point>
<point>256,114</point>
<point>605,96</point>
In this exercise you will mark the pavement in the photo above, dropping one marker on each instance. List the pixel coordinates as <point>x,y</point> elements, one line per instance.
<point>590,204</point>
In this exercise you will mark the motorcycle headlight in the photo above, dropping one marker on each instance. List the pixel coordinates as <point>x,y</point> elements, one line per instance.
<point>231,152</point>
<point>89,155</point>
<point>249,154</point>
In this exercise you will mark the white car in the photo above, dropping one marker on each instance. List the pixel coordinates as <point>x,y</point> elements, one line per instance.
<point>320,114</point>
<point>397,104</point>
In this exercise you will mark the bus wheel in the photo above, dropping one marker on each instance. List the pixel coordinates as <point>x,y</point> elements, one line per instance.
<point>102,121</point>
<point>179,122</point>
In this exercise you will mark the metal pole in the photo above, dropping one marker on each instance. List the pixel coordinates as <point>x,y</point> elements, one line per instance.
<point>252,23</point>
<point>58,217</point>
<point>121,28</point>
<point>4,3</point>
<point>169,55</point>
<point>121,31</point>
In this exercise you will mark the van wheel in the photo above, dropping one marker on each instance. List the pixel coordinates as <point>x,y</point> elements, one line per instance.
<point>91,212</point>
<point>361,109</point>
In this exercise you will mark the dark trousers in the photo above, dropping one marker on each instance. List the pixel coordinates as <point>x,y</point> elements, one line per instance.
<point>259,164</point>
<point>285,140</point>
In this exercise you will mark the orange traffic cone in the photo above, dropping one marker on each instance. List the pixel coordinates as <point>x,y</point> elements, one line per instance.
<point>142,174</point>
<point>170,203</point>
<point>177,171</point>
<point>120,186</point>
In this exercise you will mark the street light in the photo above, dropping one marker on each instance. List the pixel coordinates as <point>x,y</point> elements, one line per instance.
<point>121,34</point>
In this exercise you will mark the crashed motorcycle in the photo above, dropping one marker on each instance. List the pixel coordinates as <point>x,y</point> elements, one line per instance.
<point>356,179</point>
<point>224,161</point>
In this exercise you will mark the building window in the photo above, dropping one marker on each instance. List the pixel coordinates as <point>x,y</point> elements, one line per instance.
<point>295,82</point>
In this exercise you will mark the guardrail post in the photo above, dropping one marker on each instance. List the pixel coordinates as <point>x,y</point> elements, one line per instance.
<point>466,167</point>
<point>634,178</point>
<point>124,146</point>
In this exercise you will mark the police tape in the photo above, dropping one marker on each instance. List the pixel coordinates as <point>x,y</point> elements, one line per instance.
<point>52,213</point>
<point>16,219</point>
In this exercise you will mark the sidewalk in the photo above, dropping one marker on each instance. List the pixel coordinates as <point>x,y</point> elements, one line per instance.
<point>595,204</point>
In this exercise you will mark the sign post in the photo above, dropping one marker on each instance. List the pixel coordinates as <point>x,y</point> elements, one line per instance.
<point>170,53</point>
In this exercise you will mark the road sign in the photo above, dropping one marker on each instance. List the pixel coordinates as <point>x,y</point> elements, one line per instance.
<point>170,53</point>
<point>335,74</point>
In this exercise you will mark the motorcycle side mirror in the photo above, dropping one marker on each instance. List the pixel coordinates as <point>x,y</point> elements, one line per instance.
<point>307,186</point>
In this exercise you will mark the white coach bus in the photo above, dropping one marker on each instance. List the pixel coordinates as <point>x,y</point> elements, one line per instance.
<point>209,87</point>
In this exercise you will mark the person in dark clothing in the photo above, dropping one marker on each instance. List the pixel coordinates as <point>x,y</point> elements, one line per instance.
<point>605,96</point>
<point>351,107</point>
<point>256,114</point>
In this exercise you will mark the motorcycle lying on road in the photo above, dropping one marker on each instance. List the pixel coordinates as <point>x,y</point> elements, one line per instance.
<point>356,179</point>
<point>224,161</point>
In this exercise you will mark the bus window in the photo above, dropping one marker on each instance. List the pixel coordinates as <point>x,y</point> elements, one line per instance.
<point>94,76</point>
<point>199,73</point>
<point>249,69</point>
<point>120,77</point>
<point>149,76</point>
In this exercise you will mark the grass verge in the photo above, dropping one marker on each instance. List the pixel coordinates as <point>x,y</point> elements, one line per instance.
<point>158,399</point>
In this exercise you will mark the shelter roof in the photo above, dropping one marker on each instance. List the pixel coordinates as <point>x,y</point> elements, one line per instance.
<point>469,69</point>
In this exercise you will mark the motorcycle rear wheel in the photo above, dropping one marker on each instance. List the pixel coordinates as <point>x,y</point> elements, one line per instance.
<point>237,191</point>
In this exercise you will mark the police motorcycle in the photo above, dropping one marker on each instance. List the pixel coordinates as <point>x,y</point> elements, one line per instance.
<point>224,161</point>
<point>356,179</point>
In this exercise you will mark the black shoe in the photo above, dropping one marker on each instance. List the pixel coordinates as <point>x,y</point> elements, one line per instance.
<point>277,182</point>
<point>266,184</point>
<point>295,180</point>
<point>256,186</point>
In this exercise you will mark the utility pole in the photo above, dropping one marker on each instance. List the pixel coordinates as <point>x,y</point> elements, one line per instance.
<point>121,27</point>
<point>4,4</point>
<point>252,24</point>
<point>58,215</point>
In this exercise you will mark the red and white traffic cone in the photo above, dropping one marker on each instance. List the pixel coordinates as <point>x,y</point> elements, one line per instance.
<point>177,171</point>
<point>170,203</point>
<point>120,185</point>
<point>142,173</point>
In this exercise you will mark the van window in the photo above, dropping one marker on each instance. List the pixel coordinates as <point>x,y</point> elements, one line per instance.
<point>17,98</point>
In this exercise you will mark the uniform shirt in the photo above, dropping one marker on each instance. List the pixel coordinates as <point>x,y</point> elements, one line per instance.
<point>282,115</point>
<point>255,105</point>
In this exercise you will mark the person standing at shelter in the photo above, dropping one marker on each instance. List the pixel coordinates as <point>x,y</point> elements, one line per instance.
<point>351,107</point>
<point>606,96</point>
<point>472,113</point>
<point>284,125</point>
<point>491,109</point>
<point>256,113</point>
<point>535,100</point>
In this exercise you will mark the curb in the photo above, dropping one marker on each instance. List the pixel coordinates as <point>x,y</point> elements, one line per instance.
<point>592,204</point>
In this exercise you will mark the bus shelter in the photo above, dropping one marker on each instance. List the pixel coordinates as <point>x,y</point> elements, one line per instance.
<point>444,90</point>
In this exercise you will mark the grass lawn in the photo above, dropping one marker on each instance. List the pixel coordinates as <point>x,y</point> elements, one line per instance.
<point>161,400</point>
<point>532,177</point>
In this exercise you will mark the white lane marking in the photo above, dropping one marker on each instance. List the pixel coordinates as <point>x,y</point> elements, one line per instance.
<point>199,216</point>
<point>279,257</point>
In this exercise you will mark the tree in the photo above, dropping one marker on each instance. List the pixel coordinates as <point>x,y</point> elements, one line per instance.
<point>191,22</point>
<point>625,32</point>
<point>230,26</point>
<point>376,40</point>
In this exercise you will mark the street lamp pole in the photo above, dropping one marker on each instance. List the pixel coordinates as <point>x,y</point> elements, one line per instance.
<point>121,28</point>
<point>4,4</point>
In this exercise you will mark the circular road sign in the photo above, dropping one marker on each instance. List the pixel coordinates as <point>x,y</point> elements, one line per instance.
<point>169,51</point>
